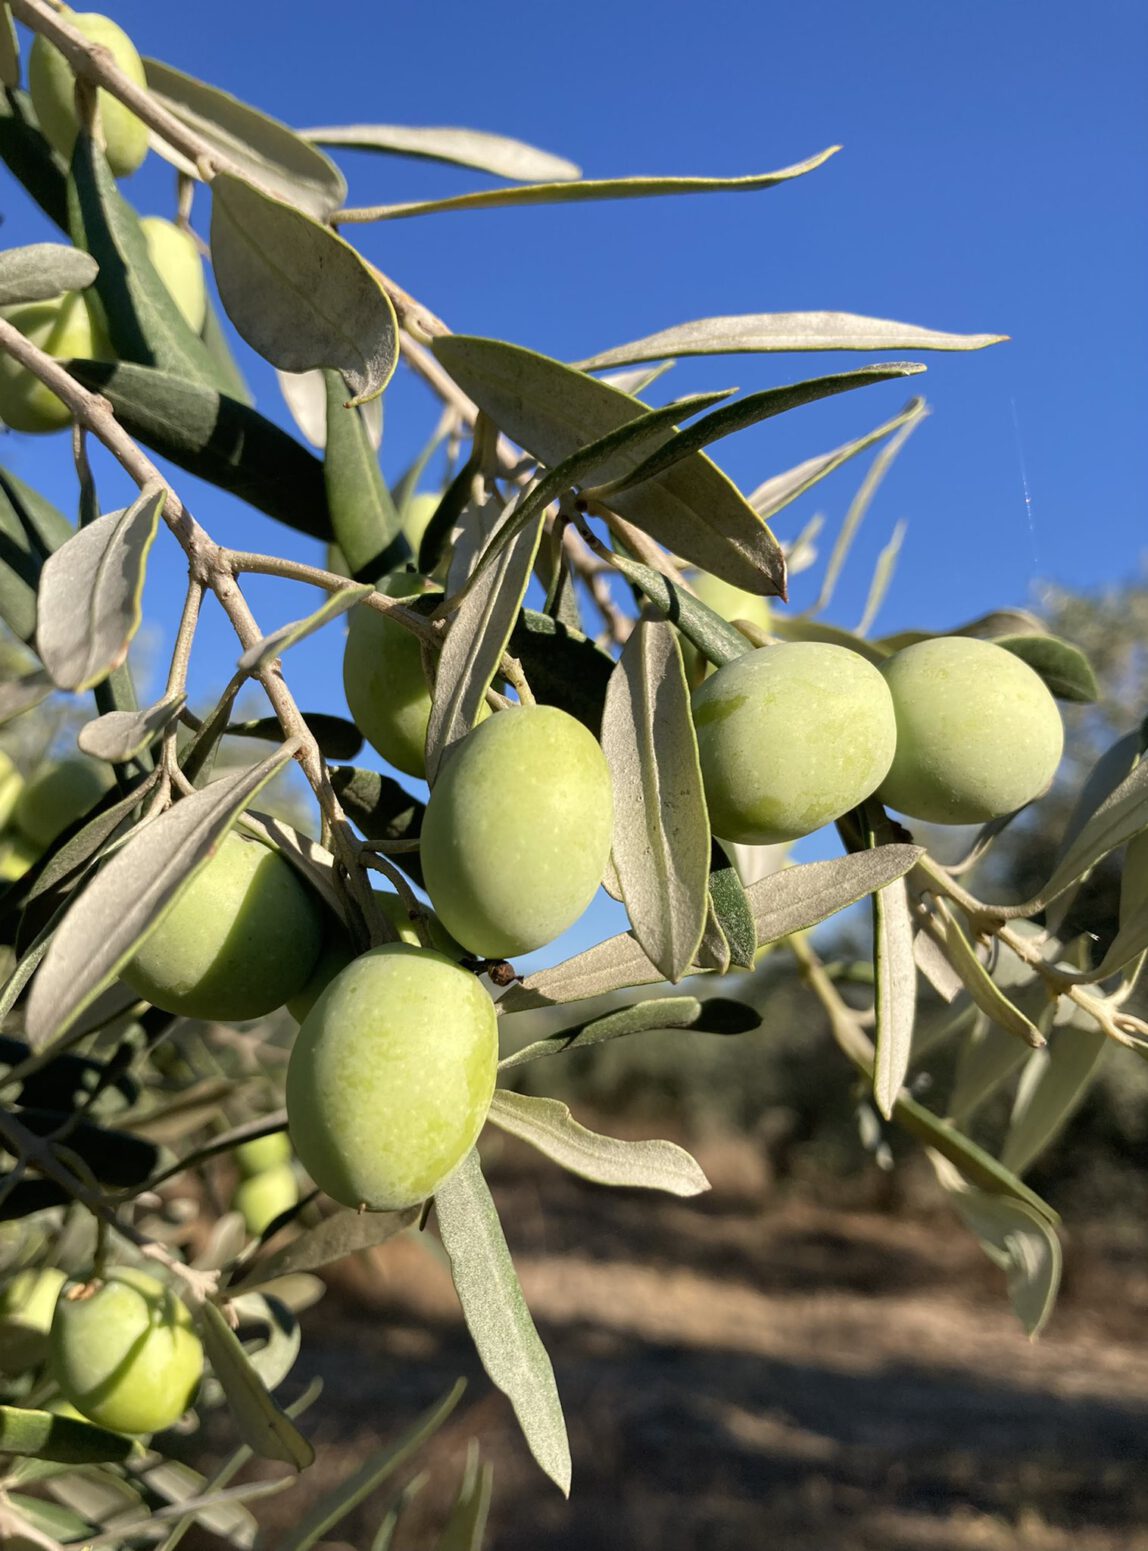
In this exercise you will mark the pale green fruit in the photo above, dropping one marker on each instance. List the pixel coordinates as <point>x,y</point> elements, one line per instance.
<point>63,327</point>
<point>242,937</point>
<point>176,260</point>
<point>11,785</point>
<point>17,854</point>
<point>335,954</point>
<point>57,796</point>
<point>27,1303</point>
<point>266,1196</point>
<point>730,603</point>
<point>53,89</point>
<point>790,737</point>
<point>391,1076</point>
<point>262,1154</point>
<point>419,511</point>
<point>126,1355</point>
<point>384,682</point>
<point>1134,877</point>
<point>978,733</point>
<point>517,832</point>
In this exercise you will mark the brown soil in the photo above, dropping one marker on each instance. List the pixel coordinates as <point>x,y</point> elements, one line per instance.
<point>750,1370</point>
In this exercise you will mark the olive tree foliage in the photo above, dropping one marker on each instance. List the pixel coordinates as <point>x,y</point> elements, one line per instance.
<point>557,471</point>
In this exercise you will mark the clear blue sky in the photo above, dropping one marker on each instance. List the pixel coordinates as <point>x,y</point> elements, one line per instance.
<point>992,178</point>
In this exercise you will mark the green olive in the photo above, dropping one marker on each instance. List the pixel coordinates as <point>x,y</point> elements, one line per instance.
<point>124,1352</point>
<point>978,733</point>
<point>263,1153</point>
<point>58,795</point>
<point>63,327</point>
<point>385,684</point>
<point>391,1076</point>
<point>176,261</point>
<point>242,937</point>
<point>11,785</point>
<point>266,1196</point>
<point>53,89</point>
<point>790,737</point>
<point>518,829</point>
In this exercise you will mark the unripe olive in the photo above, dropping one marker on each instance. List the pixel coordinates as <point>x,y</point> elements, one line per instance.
<point>419,510</point>
<point>176,261</point>
<point>384,682</point>
<point>125,1354</point>
<point>1134,877</point>
<point>266,1196</point>
<point>391,1076</point>
<point>790,737</point>
<point>263,1153</point>
<point>17,854</point>
<point>11,784</point>
<point>27,1303</point>
<point>243,936</point>
<point>978,733</point>
<point>730,603</point>
<point>517,832</point>
<point>63,326</point>
<point>53,88</point>
<point>57,796</point>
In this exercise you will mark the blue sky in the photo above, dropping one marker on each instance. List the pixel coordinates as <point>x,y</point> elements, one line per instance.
<point>992,178</point>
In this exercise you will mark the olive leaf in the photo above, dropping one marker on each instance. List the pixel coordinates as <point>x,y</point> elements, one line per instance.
<point>90,590</point>
<point>30,529</point>
<point>983,989</point>
<point>731,911</point>
<point>974,1164</point>
<point>130,896</point>
<point>382,809</point>
<point>305,394</point>
<point>549,1126</point>
<point>1052,1087</point>
<point>364,518</point>
<point>10,50</point>
<point>563,667</point>
<point>48,1436</point>
<point>475,641</point>
<point>554,412</point>
<point>30,158</point>
<point>1122,814</point>
<point>717,1015</point>
<point>21,694</point>
<point>592,189</point>
<point>1102,780</point>
<point>1064,668</point>
<point>796,627</point>
<point>751,332</point>
<point>935,967</point>
<point>298,293</point>
<point>216,438</point>
<point>121,735</point>
<point>497,1317</point>
<point>230,378</point>
<point>661,841</point>
<point>345,1232</point>
<point>43,269</point>
<point>274,1359</point>
<point>144,322</point>
<point>895,976</point>
<point>477,148</point>
<point>988,1058</point>
<point>263,1425</point>
<point>267,151</point>
<point>799,897</point>
<point>466,1526</point>
<point>264,651</point>
<point>718,641</point>
<point>336,736</point>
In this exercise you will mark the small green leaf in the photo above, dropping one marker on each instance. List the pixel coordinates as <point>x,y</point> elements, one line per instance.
<point>980,985</point>
<point>270,153</point>
<point>20,695</point>
<point>476,148</point>
<point>30,530</point>
<point>661,845</point>
<point>976,1165</point>
<point>988,1058</point>
<point>795,627</point>
<point>731,910</point>
<point>227,373</point>
<point>90,592</point>
<point>799,897</point>
<point>42,270</point>
<point>336,736</point>
<point>121,735</point>
<point>297,293</point>
<point>895,977</point>
<point>382,809</point>
<point>718,641</point>
<point>497,1317</point>
<point>266,1429</point>
<point>717,1015</point>
<point>363,515</point>
<point>48,1436</point>
<point>1122,814</point>
<point>257,657</point>
<point>563,667</point>
<point>466,1525</point>
<point>1063,667</point>
<point>10,51</point>
<point>30,158</point>
<point>344,1233</point>
<point>549,1126</point>
<point>1052,1087</point>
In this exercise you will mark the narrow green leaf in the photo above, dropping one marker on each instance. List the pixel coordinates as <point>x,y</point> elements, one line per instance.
<point>297,293</point>
<point>48,1436</point>
<point>30,158</point>
<point>266,1429</point>
<point>1063,667</point>
<point>90,592</point>
<point>976,1165</point>
<point>217,439</point>
<point>980,985</point>
<point>344,1233</point>
<point>986,627</point>
<point>121,735</point>
<point>10,50</point>
<point>129,897</point>
<point>554,412</point>
<point>718,641</point>
<point>895,976</point>
<point>988,1058</point>
<point>228,375</point>
<point>30,530</point>
<point>20,695</point>
<point>717,1015</point>
<point>1122,814</point>
<point>270,153</point>
<point>466,1525</point>
<point>257,657</point>
<point>44,269</point>
<point>177,1483</point>
<point>588,189</point>
<point>477,148</point>
<point>752,332</point>
<point>497,1316</point>
<point>661,844</point>
<point>799,897</point>
<point>1052,1088</point>
<point>882,578</point>
<point>382,809</point>
<point>336,736</point>
<point>363,515</point>
<point>732,911</point>
<point>549,1126</point>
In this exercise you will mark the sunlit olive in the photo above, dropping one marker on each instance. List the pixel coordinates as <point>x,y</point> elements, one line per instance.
<point>730,603</point>
<point>263,1153</point>
<point>124,1352</point>
<point>58,795</point>
<point>517,832</point>
<point>385,684</point>
<point>242,937</point>
<point>63,327</point>
<point>391,1076</point>
<point>53,89</point>
<point>265,1196</point>
<point>978,733</point>
<point>419,510</point>
<point>27,1303</point>
<point>790,737</point>
<point>176,260</point>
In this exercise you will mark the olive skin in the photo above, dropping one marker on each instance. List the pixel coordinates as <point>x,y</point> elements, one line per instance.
<point>517,832</point>
<point>391,1076</point>
<point>126,1355</point>
<point>263,1153</point>
<point>175,259</point>
<point>63,327</point>
<point>730,603</point>
<point>266,1196</point>
<point>242,937</point>
<point>978,733</point>
<point>27,1303</point>
<point>790,737</point>
<point>52,86</point>
<point>57,796</point>
<point>386,688</point>
<point>416,518</point>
